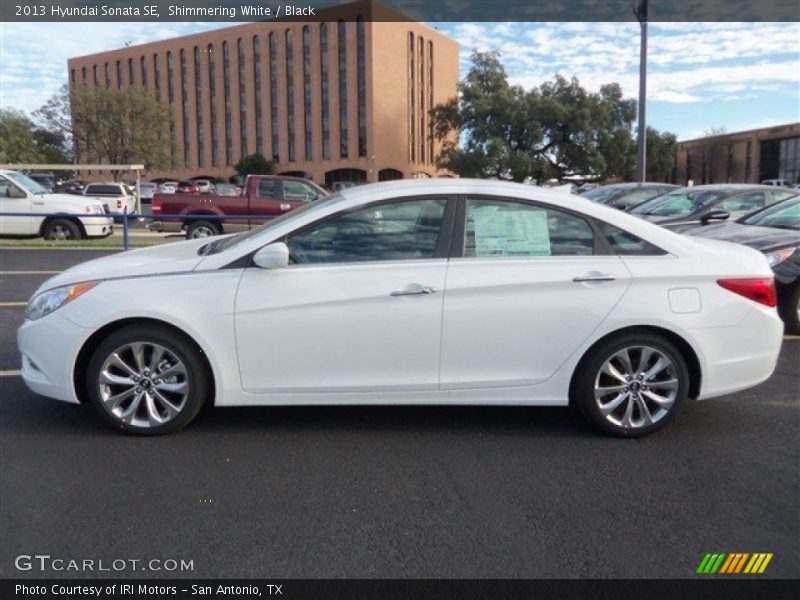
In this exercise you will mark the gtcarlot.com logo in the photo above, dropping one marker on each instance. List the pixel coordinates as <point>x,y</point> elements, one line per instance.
<point>45,562</point>
<point>734,563</point>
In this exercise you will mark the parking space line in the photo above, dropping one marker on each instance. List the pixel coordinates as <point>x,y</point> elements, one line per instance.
<point>12,304</point>
<point>16,373</point>
<point>29,272</point>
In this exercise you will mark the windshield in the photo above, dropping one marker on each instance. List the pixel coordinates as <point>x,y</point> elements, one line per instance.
<point>26,182</point>
<point>229,242</point>
<point>785,215</point>
<point>677,204</point>
<point>603,195</point>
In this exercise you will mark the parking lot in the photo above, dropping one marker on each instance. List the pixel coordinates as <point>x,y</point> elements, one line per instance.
<point>440,492</point>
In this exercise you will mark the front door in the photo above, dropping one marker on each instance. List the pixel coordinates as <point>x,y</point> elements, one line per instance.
<point>530,288</point>
<point>358,310</point>
<point>14,199</point>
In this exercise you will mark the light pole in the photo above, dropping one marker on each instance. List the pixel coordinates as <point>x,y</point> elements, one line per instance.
<point>640,10</point>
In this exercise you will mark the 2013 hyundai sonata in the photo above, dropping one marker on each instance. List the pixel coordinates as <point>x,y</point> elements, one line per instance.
<point>411,292</point>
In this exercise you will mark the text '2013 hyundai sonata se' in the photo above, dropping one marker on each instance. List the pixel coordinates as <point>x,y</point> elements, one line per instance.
<point>448,291</point>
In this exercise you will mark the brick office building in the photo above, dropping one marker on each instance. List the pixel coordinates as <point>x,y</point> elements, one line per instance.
<point>344,99</point>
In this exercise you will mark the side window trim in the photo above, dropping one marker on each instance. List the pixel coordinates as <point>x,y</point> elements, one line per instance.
<point>601,246</point>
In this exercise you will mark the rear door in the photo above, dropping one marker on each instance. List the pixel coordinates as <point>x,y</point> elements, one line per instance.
<point>527,284</point>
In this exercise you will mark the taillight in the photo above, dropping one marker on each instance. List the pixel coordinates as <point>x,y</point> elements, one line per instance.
<point>757,290</point>
<point>155,206</point>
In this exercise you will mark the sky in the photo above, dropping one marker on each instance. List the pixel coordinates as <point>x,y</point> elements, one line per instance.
<point>701,76</point>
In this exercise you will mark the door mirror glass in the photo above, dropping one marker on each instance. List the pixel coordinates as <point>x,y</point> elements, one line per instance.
<point>715,215</point>
<point>273,256</point>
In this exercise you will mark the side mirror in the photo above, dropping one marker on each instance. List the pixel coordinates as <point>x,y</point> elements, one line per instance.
<point>273,256</point>
<point>620,206</point>
<point>715,215</point>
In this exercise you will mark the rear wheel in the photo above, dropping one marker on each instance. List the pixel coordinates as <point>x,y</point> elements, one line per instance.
<point>631,385</point>
<point>202,229</point>
<point>61,229</point>
<point>146,380</point>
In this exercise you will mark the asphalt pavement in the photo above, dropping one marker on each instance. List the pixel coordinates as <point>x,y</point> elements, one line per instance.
<point>443,492</point>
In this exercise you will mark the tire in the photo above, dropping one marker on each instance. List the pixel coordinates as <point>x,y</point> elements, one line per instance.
<point>635,406</point>
<point>61,229</point>
<point>201,229</point>
<point>130,397</point>
<point>791,316</point>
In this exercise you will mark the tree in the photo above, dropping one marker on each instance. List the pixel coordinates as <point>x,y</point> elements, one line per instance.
<point>54,116</point>
<point>662,149</point>
<point>255,164</point>
<point>17,144</point>
<point>714,131</point>
<point>554,130</point>
<point>118,127</point>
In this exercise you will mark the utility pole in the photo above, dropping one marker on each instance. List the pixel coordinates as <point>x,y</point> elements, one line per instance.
<point>640,10</point>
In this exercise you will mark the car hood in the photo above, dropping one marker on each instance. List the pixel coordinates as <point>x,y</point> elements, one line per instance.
<point>765,239</point>
<point>71,200</point>
<point>176,257</point>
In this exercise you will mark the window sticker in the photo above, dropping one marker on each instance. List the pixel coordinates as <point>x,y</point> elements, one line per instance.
<point>515,232</point>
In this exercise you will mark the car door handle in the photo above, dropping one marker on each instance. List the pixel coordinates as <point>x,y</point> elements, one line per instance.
<point>594,276</point>
<point>414,290</point>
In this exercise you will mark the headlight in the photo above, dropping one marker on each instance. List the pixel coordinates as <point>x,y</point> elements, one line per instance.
<point>46,302</point>
<point>94,209</point>
<point>777,257</point>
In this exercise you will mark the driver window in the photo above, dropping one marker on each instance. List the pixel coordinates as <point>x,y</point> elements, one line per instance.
<point>743,204</point>
<point>397,230</point>
<point>298,191</point>
<point>9,190</point>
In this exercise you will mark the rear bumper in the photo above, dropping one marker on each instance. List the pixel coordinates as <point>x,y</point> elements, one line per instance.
<point>741,356</point>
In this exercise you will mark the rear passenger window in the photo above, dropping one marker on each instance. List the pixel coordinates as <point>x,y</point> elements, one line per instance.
<point>625,243</point>
<point>497,228</point>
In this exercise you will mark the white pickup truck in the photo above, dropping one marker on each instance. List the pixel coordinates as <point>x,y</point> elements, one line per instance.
<point>21,194</point>
<point>116,195</point>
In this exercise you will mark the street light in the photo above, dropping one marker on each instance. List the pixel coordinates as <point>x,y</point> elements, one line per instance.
<point>640,10</point>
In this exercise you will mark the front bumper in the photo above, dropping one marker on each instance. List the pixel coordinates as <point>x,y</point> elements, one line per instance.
<point>97,226</point>
<point>49,347</point>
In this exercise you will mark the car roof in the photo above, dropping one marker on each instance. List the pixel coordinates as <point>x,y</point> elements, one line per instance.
<point>635,184</point>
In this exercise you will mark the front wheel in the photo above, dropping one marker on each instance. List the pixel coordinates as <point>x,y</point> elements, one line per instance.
<point>146,380</point>
<point>61,229</point>
<point>631,385</point>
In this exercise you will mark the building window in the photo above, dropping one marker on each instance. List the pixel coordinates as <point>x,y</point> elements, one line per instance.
<point>107,75</point>
<point>342,47</point>
<point>307,126</point>
<point>290,95</point>
<point>144,71</point>
<point>185,110</point>
<point>157,76</point>
<point>198,108</point>
<point>273,95</point>
<point>119,74</point>
<point>748,162</point>
<point>389,174</point>
<point>226,86</point>
<point>257,94</point>
<point>94,74</point>
<point>430,102</point>
<point>171,98</point>
<point>83,74</point>
<point>72,73</point>
<point>412,94</point>
<point>325,91</point>
<point>361,80</point>
<point>688,166</point>
<point>212,94</point>
<point>242,98</point>
<point>421,100</point>
<point>731,151</point>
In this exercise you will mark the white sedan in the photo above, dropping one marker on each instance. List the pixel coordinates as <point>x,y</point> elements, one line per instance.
<point>450,291</point>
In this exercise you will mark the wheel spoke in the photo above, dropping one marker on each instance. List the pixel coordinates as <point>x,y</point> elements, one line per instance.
<point>129,414</point>
<point>114,401</point>
<point>627,419</point>
<point>176,369</point>
<point>602,392</point>
<point>662,401</point>
<point>625,358</point>
<point>611,406</point>
<point>644,359</point>
<point>116,360</point>
<point>644,411</point>
<point>668,384</point>
<point>138,355</point>
<point>661,364</point>
<point>171,409</point>
<point>612,371</point>
<point>155,357</point>
<point>178,387</point>
<point>153,417</point>
<point>111,379</point>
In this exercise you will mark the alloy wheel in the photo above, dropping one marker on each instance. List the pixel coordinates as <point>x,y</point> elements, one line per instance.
<point>59,232</point>
<point>143,384</point>
<point>202,232</point>
<point>636,387</point>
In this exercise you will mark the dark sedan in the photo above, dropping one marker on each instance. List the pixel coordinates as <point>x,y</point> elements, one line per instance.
<point>628,195</point>
<point>705,203</point>
<point>775,231</point>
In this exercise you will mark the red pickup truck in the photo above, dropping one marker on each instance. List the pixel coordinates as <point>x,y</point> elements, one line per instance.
<point>264,197</point>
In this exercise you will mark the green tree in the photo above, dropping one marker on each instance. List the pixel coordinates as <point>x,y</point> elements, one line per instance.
<point>255,164</point>
<point>17,143</point>
<point>54,116</point>
<point>119,127</point>
<point>662,148</point>
<point>554,130</point>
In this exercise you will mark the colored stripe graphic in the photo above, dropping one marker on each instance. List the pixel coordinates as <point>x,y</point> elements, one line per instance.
<point>733,563</point>
<point>711,563</point>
